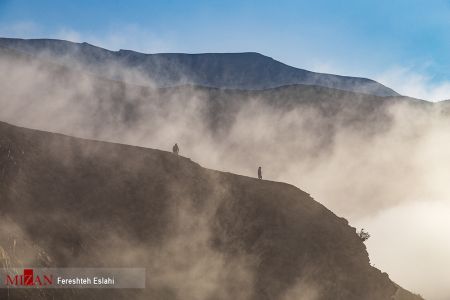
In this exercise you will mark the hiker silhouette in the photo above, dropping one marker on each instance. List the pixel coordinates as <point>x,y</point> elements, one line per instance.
<point>175,149</point>
<point>259,173</point>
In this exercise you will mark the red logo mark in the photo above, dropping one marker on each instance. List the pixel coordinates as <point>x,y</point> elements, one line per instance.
<point>28,279</point>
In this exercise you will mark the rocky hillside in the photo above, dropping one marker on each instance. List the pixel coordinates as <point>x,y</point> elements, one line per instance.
<point>200,234</point>
<point>249,71</point>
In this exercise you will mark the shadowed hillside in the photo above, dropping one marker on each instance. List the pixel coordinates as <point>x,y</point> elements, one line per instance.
<point>250,71</point>
<point>200,234</point>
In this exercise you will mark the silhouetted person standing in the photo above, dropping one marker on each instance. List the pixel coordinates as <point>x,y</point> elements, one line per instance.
<point>175,149</point>
<point>259,173</point>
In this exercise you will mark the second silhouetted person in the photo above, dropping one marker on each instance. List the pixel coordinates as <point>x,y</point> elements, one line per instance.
<point>175,149</point>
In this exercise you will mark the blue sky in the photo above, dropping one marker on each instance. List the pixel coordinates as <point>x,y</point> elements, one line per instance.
<point>403,44</point>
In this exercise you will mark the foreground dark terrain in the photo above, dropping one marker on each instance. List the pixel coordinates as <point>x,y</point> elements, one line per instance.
<point>200,234</point>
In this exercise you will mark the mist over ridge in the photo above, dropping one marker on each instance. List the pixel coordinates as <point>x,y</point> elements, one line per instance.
<point>200,234</point>
<point>363,156</point>
<point>247,71</point>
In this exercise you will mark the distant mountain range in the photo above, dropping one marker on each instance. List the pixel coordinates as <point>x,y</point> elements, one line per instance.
<point>248,71</point>
<point>98,106</point>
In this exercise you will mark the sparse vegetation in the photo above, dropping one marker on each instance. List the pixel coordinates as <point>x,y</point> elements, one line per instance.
<point>363,235</point>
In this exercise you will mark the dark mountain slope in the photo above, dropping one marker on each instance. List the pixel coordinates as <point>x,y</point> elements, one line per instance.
<point>201,234</point>
<point>250,71</point>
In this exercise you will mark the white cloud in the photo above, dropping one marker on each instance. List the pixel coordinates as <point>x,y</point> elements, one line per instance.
<point>414,84</point>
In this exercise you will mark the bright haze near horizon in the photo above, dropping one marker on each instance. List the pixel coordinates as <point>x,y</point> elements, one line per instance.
<point>402,44</point>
